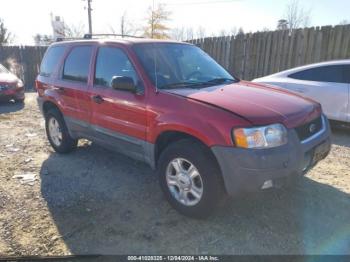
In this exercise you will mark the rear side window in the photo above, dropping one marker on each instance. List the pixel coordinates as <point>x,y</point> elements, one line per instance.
<point>112,61</point>
<point>77,64</point>
<point>51,60</point>
<point>334,74</point>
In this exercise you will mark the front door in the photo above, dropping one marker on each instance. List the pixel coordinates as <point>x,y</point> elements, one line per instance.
<point>118,117</point>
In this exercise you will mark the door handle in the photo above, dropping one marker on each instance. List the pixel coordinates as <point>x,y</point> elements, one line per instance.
<point>97,99</point>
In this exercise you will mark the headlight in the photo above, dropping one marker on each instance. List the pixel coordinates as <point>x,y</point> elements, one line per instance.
<point>19,84</point>
<point>260,137</point>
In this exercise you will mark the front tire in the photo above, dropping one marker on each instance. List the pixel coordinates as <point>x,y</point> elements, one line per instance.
<point>57,132</point>
<point>20,101</point>
<point>190,178</point>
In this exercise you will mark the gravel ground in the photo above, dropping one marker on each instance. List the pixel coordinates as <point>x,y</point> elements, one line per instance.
<point>94,201</point>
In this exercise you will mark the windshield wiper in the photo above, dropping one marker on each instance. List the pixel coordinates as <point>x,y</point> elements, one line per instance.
<point>183,84</point>
<point>221,80</point>
<point>196,84</point>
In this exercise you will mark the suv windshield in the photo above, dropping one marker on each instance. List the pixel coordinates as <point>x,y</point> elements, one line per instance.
<point>171,65</point>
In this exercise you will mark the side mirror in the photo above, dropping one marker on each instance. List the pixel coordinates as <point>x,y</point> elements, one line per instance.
<point>124,83</point>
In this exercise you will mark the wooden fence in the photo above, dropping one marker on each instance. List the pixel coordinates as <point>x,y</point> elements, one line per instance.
<point>249,56</point>
<point>24,61</point>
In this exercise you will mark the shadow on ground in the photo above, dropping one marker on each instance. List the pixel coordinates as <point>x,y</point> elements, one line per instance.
<point>342,133</point>
<point>9,107</point>
<point>105,203</point>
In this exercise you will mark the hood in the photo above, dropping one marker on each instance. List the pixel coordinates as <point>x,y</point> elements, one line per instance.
<point>257,103</point>
<point>7,78</point>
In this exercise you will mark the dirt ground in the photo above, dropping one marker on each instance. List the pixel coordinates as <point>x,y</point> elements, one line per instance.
<point>94,201</point>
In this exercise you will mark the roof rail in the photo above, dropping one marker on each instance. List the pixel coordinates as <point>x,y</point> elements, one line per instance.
<point>60,39</point>
<point>91,36</point>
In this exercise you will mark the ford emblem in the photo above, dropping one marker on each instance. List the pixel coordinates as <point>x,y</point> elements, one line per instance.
<point>312,128</point>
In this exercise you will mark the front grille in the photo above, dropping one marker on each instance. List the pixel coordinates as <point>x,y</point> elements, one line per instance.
<point>4,87</point>
<point>309,129</point>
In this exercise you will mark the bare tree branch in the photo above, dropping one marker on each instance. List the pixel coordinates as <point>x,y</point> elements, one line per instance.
<point>296,16</point>
<point>5,35</point>
<point>74,31</point>
<point>126,27</point>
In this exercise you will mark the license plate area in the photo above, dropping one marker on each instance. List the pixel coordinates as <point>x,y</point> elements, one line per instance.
<point>315,155</point>
<point>320,152</point>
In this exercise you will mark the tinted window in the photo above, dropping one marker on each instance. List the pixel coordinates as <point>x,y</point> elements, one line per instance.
<point>322,74</point>
<point>51,60</point>
<point>347,73</point>
<point>76,66</point>
<point>111,62</point>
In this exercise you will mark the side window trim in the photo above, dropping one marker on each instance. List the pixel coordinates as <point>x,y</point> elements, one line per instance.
<point>67,53</point>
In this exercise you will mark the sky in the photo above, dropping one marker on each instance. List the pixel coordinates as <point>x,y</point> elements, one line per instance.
<point>26,18</point>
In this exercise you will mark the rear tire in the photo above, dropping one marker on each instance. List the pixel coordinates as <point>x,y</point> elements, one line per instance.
<point>205,180</point>
<point>19,101</point>
<point>57,132</point>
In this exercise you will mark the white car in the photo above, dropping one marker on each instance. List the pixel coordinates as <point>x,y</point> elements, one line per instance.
<point>327,82</point>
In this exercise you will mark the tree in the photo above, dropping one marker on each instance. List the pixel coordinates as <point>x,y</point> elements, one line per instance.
<point>190,33</point>
<point>240,31</point>
<point>62,29</point>
<point>201,32</point>
<point>296,16</point>
<point>74,31</point>
<point>156,22</point>
<point>40,39</point>
<point>125,27</point>
<point>178,33</point>
<point>5,35</point>
<point>282,24</point>
<point>344,22</point>
<point>183,33</point>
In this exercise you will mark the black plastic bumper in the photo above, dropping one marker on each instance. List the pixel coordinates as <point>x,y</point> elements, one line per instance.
<point>246,170</point>
<point>18,95</point>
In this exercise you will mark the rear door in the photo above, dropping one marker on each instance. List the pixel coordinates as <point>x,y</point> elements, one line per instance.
<point>73,87</point>
<point>326,85</point>
<point>118,117</point>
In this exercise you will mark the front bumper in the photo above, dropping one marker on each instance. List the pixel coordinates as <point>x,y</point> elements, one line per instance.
<point>8,94</point>
<point>246,170</point>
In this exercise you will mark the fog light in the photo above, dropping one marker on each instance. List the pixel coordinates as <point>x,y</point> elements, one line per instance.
<point>267,184</point>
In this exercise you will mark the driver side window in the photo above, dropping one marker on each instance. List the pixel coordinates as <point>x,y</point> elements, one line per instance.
<point>110,62</point>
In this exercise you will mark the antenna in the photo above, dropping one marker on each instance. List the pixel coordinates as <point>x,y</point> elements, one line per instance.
<point>155,67</point>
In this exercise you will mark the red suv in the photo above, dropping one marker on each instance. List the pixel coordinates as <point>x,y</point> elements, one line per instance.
<point>169,104</point>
